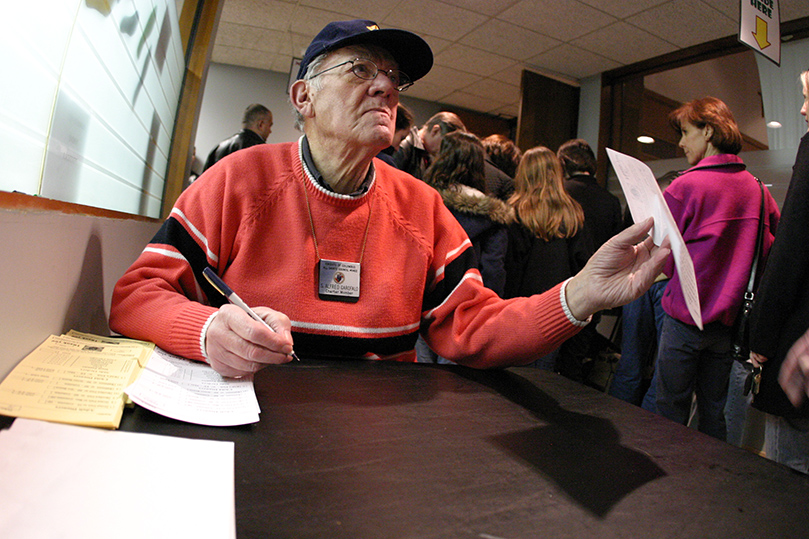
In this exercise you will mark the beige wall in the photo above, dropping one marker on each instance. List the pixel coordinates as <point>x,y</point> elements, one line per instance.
<point>58,272</point>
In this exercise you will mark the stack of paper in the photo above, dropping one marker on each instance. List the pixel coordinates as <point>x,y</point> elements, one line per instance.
<point>82,483</point>
<point>84,380</point>
<point>75,378</point>
<point>193,392</point>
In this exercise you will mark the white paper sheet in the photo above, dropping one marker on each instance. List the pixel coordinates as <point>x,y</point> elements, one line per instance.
<point>76,482</point>
<point>645,199</point>
<point>193,392</point>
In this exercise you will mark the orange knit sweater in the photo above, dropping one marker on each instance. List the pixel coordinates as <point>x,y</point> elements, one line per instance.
<point>247,218</point>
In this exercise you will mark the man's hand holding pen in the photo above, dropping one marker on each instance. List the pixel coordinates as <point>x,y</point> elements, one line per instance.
<point>237,345</point>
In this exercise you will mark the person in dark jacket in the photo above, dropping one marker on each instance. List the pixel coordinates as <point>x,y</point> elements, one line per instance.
<point>256,127</point>
<point>780,319</point>
<point>602,209</point>
<point>458,175</point>
<point>548,242</point>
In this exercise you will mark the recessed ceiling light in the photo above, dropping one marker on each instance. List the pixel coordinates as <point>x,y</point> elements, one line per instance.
<point>774,125</point>
<point>643,139</point>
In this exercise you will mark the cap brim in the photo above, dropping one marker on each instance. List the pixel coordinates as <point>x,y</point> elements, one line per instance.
<point>411,52</point>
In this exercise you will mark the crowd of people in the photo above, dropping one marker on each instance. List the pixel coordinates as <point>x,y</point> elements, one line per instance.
<point>372,237</point>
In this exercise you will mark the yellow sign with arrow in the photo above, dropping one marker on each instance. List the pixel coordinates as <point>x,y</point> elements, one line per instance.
<point>760,27</point>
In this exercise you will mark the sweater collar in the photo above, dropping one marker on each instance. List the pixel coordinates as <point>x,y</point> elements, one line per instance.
<point>306,156</point>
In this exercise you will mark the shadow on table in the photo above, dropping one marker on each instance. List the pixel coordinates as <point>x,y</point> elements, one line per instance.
<point>581,454</point>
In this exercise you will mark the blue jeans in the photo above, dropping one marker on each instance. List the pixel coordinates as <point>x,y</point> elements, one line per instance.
<point>787,442</point>
<point>689,361</point>
<point>737,404</point>
<point>641,324</point>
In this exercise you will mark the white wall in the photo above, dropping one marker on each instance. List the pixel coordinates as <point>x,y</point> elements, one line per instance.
<point>58,273</point>
<point>88,104</point>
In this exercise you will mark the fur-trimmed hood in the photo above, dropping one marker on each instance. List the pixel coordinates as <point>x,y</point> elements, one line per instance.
<point>464,199</point>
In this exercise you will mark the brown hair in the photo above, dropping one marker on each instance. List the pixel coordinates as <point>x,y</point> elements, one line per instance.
<point>459,161</point>
<point>446,121</point>
<point>713,112</point>
<point>577,156</point>
<point>503,153</point>
<point>540,199</point>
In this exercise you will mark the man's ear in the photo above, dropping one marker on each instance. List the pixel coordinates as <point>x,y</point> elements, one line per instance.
<point>301,98</point>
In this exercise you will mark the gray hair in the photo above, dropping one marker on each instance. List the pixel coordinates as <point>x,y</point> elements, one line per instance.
<point>311,69</point>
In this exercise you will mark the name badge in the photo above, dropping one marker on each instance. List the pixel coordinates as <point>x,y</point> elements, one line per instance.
<point>339,281</point>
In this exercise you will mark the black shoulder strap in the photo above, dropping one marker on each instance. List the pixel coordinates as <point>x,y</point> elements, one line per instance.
<point>759,242</point>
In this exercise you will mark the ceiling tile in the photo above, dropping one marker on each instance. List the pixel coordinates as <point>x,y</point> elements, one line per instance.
<point>696,23</point>
<point>429,17</point>
<point>511,75</point>
<point>469,101</point>
<point>495,90</point>
<point>624,9</point>
<point>309,21</point>
<point>482,46</point>
<point>251,37</point>
<point>623,43</point>
<point>264,13</point>
<point>486,7</point>
<point>557,20</point>
<point>428,91</point>
<point>508,40</point>
<point>508,111</point>
<point>242,57</point>
<point>471,60</point>
<point>573,62</point>
<point>448,78</point>
<point>793,10</point>
<point>731,8</point>
<point>352,9</point>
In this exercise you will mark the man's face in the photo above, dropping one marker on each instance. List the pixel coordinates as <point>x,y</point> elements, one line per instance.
<point>266,126</point>
<point>348,108</point>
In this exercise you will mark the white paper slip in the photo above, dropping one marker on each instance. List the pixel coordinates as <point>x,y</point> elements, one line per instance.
<point>193,392</point>
<point>645,199</point>
<point>86,483</point>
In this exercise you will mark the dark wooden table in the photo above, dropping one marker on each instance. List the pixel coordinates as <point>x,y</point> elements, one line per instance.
<point>375,449</point>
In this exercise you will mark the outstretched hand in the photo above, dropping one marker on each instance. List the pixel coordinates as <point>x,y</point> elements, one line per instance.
<point>619,272</point>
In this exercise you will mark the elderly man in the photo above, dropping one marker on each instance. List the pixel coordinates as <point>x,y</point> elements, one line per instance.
<point>342,253</point>
<point>256,127</point>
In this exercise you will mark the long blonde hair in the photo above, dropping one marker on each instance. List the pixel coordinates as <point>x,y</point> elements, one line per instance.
<point>540,199</point>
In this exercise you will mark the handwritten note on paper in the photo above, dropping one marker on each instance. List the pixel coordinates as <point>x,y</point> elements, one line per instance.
<point>645,199</point>
<point>193,392</point>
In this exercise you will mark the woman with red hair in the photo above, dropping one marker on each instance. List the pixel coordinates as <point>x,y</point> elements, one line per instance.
<point>716,205</point>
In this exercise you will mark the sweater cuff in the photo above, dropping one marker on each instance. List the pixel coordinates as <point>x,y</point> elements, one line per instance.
<point>563,298</point>
<point>203,335</point>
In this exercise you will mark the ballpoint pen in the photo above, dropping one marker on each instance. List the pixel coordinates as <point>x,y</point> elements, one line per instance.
<point>232,297</point>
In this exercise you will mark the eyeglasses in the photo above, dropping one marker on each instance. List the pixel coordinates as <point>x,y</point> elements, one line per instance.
<point>367,70</point>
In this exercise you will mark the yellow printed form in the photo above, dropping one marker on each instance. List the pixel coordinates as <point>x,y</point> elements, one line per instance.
<point>74,379</point>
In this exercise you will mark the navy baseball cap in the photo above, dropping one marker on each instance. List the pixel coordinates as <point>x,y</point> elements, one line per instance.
<point>410,51</point>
